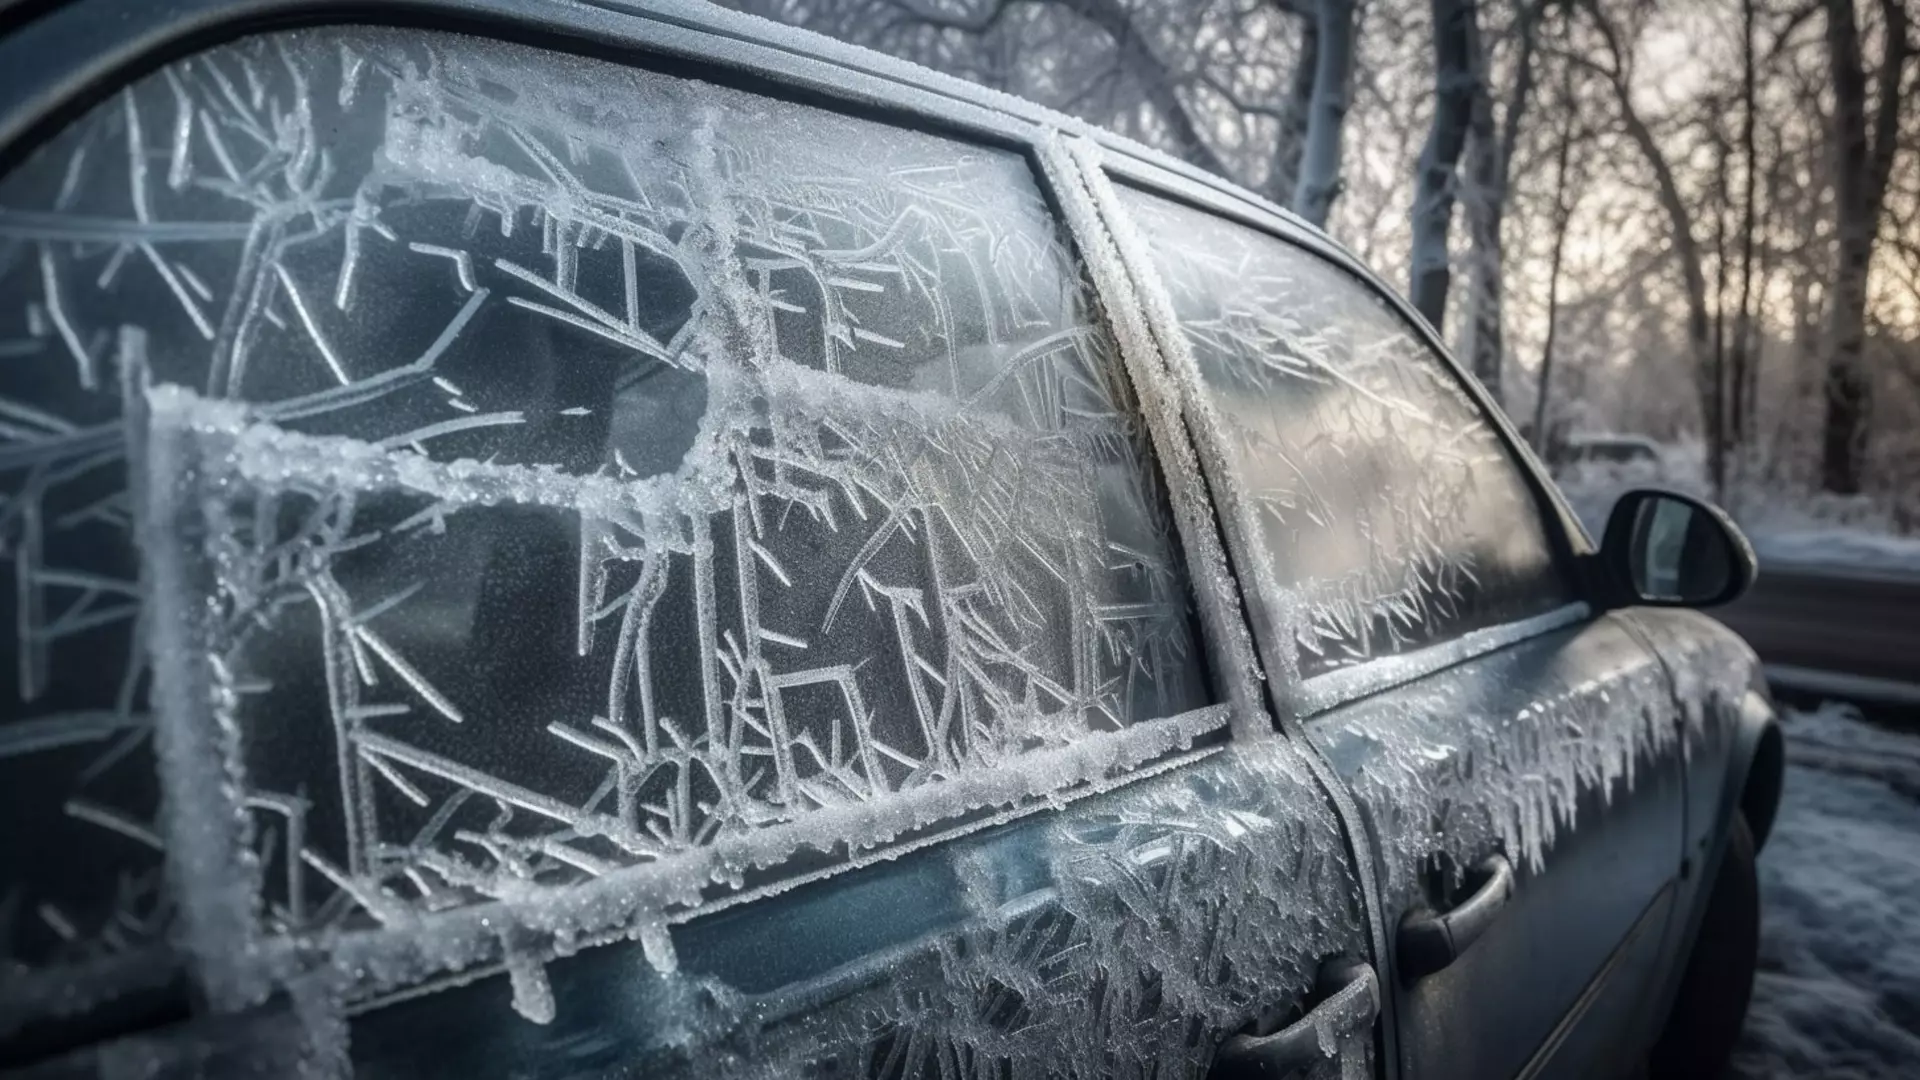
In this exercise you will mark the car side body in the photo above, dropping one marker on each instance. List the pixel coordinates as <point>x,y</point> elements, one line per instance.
<point>651,543</point>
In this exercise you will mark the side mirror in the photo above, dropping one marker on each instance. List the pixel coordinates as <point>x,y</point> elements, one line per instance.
<point>1666,549</point>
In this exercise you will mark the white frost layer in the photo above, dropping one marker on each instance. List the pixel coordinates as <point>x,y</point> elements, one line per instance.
<point>638,901</point>
<point>1176,910</point>
<point>806,421</point>
<point>1513,751</point>
<point>1372,500</point>
<point>271,459</point>
<point>1497,755</point>
<point>1713,669</point>
<point>1215,587</point>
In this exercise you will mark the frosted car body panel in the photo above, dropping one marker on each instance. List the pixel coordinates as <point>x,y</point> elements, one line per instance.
<point>1564,754</point>
<point>1125,936</point>
<point>563,490</point>
<point>1497,754</point>
<point>1391,516</point>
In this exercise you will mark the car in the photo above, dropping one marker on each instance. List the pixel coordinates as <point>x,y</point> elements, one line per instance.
<point>1610,449</point>
<point>576,539</point>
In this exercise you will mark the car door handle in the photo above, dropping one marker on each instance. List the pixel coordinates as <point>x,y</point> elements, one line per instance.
<point>1429,942</point>
<point>1313,1038</point>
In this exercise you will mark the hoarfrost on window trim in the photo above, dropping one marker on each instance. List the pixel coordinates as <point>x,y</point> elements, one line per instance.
<point>1237,658</point>
<point>1204,481</point>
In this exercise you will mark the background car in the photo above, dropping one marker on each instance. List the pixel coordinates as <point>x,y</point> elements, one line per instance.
<point>573,540</point>
<point>1611,449</point>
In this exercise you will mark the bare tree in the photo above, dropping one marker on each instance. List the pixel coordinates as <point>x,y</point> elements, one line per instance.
<point>1456,84</point>
<point>1744,356</point>
<point>1229,85</point>
<point>1864,151</point>
<point>1319,181</point>
<point>1148,76</point>
<point>1716,273</point>
<point>1291,141</point>
<point>1717,365</point>
<point>1490,148</point>
<point>1563,205</point>
<point>1615,69</point>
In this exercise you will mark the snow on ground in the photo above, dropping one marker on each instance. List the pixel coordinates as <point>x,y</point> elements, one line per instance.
<point>1834,533</point>
<point>1838,993</point>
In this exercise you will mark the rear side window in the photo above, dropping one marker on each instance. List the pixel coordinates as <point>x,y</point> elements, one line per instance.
<point>553,470</point>
<point>1393,516</point>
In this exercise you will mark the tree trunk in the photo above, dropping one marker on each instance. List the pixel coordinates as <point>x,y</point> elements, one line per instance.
<point>1319,182</point>
<point>1562,216</point>
<point>1742,359</point>
<point>1489,164</point>
<point>1717,370</point>
<point>1292,140</point>
<point>1456,84</point>
<point>1686,248</point>
<point>1756,269</point>
<point>1862,161</point>
<point>1485,204</point>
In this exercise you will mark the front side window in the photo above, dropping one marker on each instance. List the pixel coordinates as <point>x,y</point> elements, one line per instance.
<point>554,469</point>
<point>1393,517</point>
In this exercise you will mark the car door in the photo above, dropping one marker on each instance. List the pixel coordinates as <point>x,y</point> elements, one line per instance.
<point>604,572</point>
<point>1517,761</point>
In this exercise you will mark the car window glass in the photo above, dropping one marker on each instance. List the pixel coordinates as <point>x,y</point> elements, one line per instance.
<point>558,468</point>
<point>1392,515</point>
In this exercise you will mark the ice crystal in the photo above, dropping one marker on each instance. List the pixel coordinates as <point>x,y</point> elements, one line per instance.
<point>1125,936</point>
<point>1386,514</point>
<point>561,490</point>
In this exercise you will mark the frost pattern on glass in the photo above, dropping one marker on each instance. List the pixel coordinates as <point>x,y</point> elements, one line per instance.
<point>1391,514</point>
<point>547,470</point>
<point>1234,655</point>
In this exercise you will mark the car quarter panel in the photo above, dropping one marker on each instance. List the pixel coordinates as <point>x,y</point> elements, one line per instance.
<point>1719,688</point>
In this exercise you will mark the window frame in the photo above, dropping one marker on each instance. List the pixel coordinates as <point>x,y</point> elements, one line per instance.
<point>72,55</point>
<point>1571,549</point>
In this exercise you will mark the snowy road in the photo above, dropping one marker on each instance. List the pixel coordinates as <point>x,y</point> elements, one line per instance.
<point>1856,621</point>
<point>1839,988</point>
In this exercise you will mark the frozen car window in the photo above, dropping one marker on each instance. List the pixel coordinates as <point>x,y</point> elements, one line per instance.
<point>1393,516</point>
<point>550,469</point>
